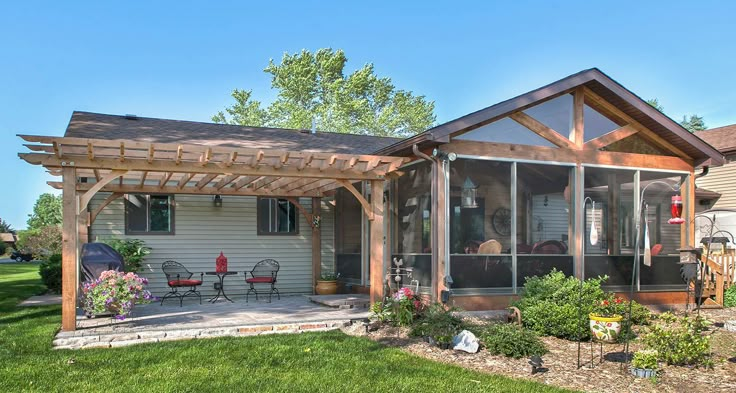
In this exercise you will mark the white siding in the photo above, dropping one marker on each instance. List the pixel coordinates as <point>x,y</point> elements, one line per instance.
<point>202,231</point>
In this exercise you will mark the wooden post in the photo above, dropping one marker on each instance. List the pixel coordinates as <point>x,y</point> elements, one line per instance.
<point>578,212</point>
<point>83,226</point>
<point>687,191</point>
<point>613,238</point>
<point>377,241</point>
<point>577,134</point>
<point>440,248</point>
<point>316,241</point>
<point>69,250</point>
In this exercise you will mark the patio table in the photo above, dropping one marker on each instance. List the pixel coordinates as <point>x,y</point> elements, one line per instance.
<point>221,287</point>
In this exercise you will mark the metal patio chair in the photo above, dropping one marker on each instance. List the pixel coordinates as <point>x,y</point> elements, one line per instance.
<point>264,272</point>
<point>177,276</point>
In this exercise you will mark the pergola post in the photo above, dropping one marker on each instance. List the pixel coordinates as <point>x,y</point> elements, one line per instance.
<point>69,250</point>
<point>316,241</point>
<point>440,210</point>
<point>377,241</point>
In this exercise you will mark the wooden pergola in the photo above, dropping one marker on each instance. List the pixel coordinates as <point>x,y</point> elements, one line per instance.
<point>89,166</point>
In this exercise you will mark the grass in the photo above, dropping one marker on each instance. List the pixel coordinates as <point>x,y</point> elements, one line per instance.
<point>311,362</point>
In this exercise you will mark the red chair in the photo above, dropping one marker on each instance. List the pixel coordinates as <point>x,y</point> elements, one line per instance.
<point>177,276</point>
<point>264,272</point>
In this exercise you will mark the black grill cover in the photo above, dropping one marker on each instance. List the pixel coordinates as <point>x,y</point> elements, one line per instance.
<point>98,257</point>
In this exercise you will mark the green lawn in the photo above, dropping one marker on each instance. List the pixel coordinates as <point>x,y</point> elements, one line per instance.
<point>311,362</point>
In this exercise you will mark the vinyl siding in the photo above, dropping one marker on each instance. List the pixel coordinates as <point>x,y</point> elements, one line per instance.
<point>202,231</point>
<point>722,180</point>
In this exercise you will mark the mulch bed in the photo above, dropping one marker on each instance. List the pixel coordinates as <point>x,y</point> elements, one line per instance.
<point>610,375</point>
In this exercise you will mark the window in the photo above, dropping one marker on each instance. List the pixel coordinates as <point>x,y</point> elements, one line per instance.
<point>277,217</point>
<point>149,214</point>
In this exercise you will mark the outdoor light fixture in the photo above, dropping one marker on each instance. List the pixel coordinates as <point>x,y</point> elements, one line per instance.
<point>689,263</point>
<point>444,156</point>
<point>217,201</point>
<point>676,210</point>
<point>469,192</point>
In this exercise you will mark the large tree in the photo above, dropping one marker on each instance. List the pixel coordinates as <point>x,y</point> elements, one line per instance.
<point>5,227</point>
<point>692,123</point>
<point>46,211</point>
<point>312,87</point>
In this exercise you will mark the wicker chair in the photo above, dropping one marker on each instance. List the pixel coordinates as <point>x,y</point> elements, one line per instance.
<point>264,272</point>
<point>177,276</point>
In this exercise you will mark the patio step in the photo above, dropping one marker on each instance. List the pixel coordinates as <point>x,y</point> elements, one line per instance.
<point>342,301</point>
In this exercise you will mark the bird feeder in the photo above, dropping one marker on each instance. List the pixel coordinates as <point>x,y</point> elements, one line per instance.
<point>676,210</point>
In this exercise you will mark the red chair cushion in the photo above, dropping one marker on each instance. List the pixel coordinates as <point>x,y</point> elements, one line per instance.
<point>185,283</point>
<point>257,280</point>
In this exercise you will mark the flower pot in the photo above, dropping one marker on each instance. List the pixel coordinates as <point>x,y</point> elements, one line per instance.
<point>326,287</point>
<point>606,328</point>
<point>643,372</point>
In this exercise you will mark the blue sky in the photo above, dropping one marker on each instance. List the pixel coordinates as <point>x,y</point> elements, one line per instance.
<point>181,59</point>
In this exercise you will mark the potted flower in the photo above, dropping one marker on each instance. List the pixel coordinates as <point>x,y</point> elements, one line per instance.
<point>114,292</point>
<point>644,363</point>
<point>327,284</point>
<point>605,323</point>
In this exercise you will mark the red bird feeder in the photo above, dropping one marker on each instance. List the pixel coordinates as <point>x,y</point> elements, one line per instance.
<point>676,210</point>
<point>221,263</point>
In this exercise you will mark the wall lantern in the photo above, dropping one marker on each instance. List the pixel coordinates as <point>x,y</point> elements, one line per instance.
<point>469,192</point>
<point>217,201</point>
<point>444,156</point>
<point>676,210</point>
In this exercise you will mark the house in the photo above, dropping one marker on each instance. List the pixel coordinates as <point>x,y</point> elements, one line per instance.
<point>9,239</point>
<point>721,179</point>
<point>551,179</point>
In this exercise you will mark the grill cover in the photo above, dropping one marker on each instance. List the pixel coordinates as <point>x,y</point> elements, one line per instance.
<point>98,257</point>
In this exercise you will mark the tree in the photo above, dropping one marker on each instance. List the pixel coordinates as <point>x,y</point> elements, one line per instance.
<point>46,211</point>
<point>5,227</point>
<point>693,123</point>
<point>41,242</point>
<point>313,87</point>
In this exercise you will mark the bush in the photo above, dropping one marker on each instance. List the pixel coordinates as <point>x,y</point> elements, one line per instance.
<point>680,341</point>
<point>549,305</point>
<point>42,242</point>
<point>437,322</point>
<point>3,248</point>
<point>400,308</point>
<point>50,272</point>
<point>510,340</point>
<point>133,251</point>
<point>729,297</point>
<point>646,359</point>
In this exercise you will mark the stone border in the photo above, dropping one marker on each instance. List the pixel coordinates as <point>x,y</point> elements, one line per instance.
<point>122,339</point>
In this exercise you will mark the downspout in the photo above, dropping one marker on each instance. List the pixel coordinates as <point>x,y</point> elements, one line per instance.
<point>435,234</point>
<point>705,171</point>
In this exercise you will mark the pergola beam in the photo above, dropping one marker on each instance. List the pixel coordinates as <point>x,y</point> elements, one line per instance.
<point>135,189</point>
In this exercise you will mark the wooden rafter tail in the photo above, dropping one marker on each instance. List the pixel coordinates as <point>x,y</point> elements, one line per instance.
<point>57,149</point>
<point>305,162</point>
<point>55,184</point>
<point>151,153</point>
<point>542,130</point>
<point>232,159</point>
<point>149,189</point>
<point>165,179</point>
<point>143,178</point>
<point>122,151</point>
<point>350,163</point>
<point>205,180</point>
<point>90,151</point>
<point>396,164</point>
<point>372,164</point>
<point>329,162</point>
<point>206,156</point>
<point>256,160</point>
<point>179,153</point>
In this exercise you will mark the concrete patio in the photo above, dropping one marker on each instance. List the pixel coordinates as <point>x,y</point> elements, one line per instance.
<point>154,322</point>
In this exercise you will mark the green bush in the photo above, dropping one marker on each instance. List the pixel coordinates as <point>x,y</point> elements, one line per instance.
<point>133,251</point>
<point>50,272</point>
<point>680,341</point>
<point>646,359</point>
<point>438,323</point>
<point>729,297</point>
<point>4,248</point>
<point>549,305</point>
<point>510,340</point>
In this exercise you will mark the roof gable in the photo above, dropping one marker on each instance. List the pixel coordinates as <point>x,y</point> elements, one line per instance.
<point>722,138</point>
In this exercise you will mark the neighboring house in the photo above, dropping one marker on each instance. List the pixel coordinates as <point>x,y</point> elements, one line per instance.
<point>9,239</point>
<point>473,206</point>
<point>721,179</point>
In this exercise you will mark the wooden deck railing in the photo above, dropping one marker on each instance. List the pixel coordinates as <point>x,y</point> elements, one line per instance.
<point>720,274</point>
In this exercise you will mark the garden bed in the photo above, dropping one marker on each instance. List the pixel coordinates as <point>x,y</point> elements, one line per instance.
<point>561,362</point>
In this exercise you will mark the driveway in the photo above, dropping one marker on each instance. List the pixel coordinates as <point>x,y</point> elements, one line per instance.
<point>8,260</point>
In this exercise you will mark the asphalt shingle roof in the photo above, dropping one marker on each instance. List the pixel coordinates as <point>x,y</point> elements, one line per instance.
<point>103,126</point>
<point>722,138</point>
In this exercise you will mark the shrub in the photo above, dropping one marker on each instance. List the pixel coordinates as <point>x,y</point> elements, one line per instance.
<point>133,251</point>
<point>729,297</point>
<point>680,341</point>
<point>3,248</point>
<point>42,242</point>
<point>646,359</point>
<point>437,322</point>
<point>510,340</point>
<point>400,308</point>
<point>50,272</point>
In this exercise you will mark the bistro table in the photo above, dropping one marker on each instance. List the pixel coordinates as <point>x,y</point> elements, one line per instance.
<point>220,288</point>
